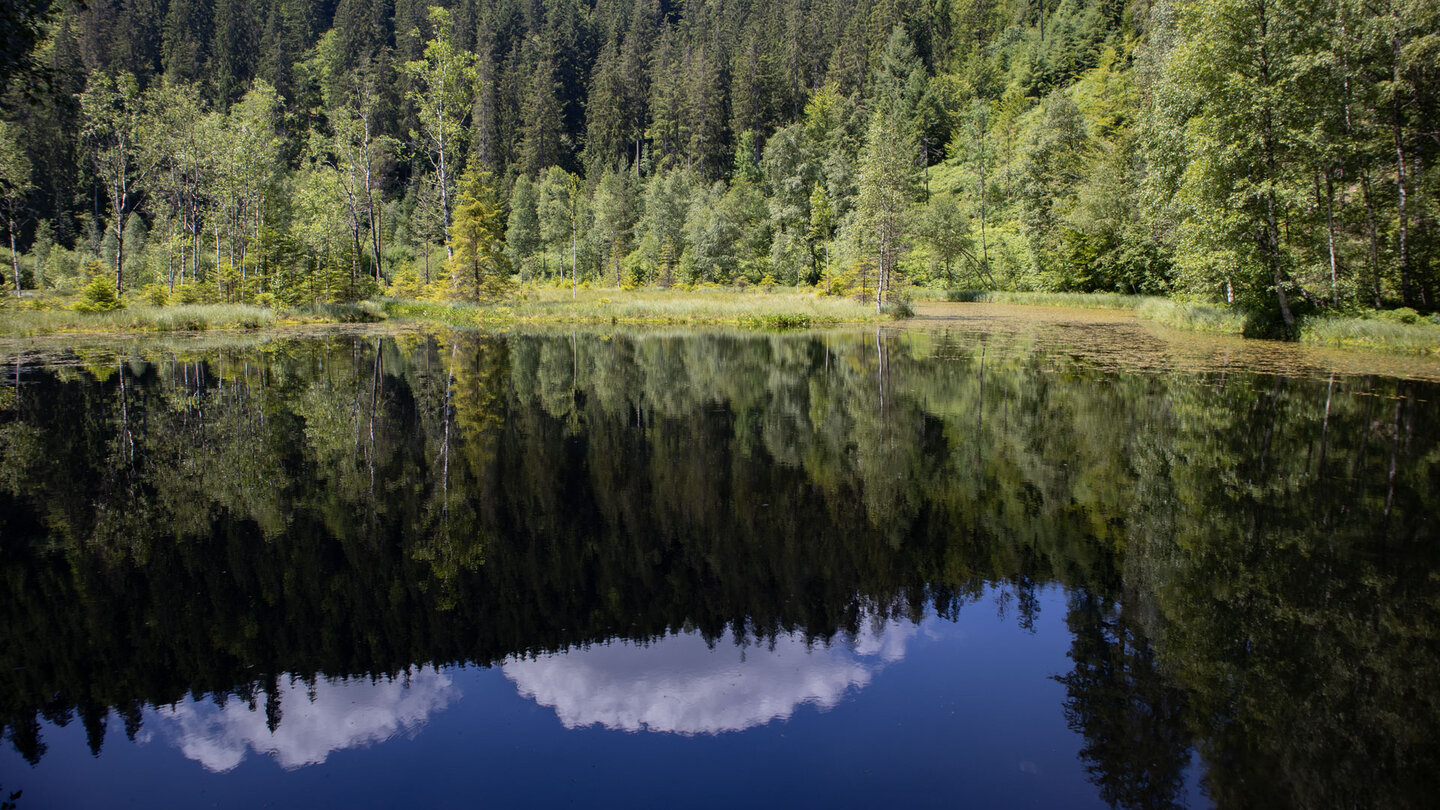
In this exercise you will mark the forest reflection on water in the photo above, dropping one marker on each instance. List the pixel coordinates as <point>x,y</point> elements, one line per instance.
<point>287,548</point>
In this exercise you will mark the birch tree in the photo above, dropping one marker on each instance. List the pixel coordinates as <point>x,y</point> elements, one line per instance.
<point>15,185</point>
<point>115,122</point>
<point>444,81</point>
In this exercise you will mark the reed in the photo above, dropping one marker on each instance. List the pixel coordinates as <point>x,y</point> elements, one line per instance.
<point>1422,336</point>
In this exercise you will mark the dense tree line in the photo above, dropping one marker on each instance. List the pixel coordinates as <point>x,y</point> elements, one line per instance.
<point>1248,557</point>
<point>1281,154</point>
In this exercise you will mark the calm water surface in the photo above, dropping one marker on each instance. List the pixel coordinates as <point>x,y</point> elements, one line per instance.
<point>972,563</point>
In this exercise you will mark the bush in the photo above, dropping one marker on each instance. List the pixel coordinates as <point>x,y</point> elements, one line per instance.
<point>155,295</point>
<point>358,312</point>
<point>196,293</point>
<point>780,320</point>
<point>966,296</point>
<point>407,284</point>
<point>1402,315</point>
<point>99,296</point>
<point>898,308</point>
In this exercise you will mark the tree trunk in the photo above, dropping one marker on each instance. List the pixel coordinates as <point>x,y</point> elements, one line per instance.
<point>1330,225</point>
<point>15,260</point>
<point>1272,230</point>
<point>1395,123</point>
<point>119,246</point>
<point>444,188</point>
<point>1374,253</point>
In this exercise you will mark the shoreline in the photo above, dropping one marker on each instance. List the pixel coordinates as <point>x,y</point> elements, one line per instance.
<point>1385,331</point>
<point>775,309</point>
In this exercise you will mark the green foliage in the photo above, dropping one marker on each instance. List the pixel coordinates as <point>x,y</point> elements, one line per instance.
<point>407,284</point>
<point>479,270</point>
<point>522,229</point>
<point>155,295</point>
<point>778,321</point>
<point>99,295</point>
<point>1393,331</point>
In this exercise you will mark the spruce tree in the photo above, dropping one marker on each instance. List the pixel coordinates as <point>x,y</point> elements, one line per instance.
<point>478,269</point>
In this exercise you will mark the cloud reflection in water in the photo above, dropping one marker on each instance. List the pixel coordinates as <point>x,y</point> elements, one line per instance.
<point>681,685</point>
<point>344,714</point>
<point>678,684</point>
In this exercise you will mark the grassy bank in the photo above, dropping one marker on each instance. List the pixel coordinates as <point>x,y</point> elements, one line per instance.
<point>1164,311</point>
<point>1419,336</point>
<point>188,317</point>
<point>746,309</point>
<point>180,318</point>
<point>1397,331</point>
<point>1194,317</point>
<point>1401,331</point>
<point>749,309</point>
<point>1034,299</point>
<point>778,308</point>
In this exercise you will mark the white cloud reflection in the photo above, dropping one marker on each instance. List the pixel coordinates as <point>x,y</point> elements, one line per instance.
<point>344,714</point>
<point>681,685</point>
<point>677,684</point>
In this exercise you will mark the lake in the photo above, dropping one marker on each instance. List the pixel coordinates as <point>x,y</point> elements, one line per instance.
<point>989,559</point>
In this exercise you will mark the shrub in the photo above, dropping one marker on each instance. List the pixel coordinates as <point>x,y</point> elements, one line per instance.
<point>780,320</point>
<point>196,293</point>
<point>155,295</point>
<point>99,296</point>
<point>898,308</point>
<point>1401,315</point>
<point>357,312</point>
<point>407,284</point>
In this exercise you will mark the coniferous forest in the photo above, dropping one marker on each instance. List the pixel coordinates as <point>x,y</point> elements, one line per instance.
<point>1280,155</point>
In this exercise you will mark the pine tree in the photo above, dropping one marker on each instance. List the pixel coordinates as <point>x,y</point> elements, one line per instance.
<point>478,269</point>
<point>540,117</point>
<point>606,135</point>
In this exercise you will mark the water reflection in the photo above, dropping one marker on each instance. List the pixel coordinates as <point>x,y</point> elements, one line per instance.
<point>684,684</point>
<point>1251,557</point>
<point>303,723</point>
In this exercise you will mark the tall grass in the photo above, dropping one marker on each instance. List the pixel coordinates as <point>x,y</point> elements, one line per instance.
<point>1400,331</point>
<point>699,306</point>
<point>143,318</point>
<point>1164,311</point>
<point>449,312</point>
<point>751,309</point>
<point>1038,299</point>
<point>1420,337</point>
<point>1194,317</point>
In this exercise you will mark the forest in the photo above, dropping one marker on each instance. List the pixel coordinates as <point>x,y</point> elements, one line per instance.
<point>1277,155</point>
